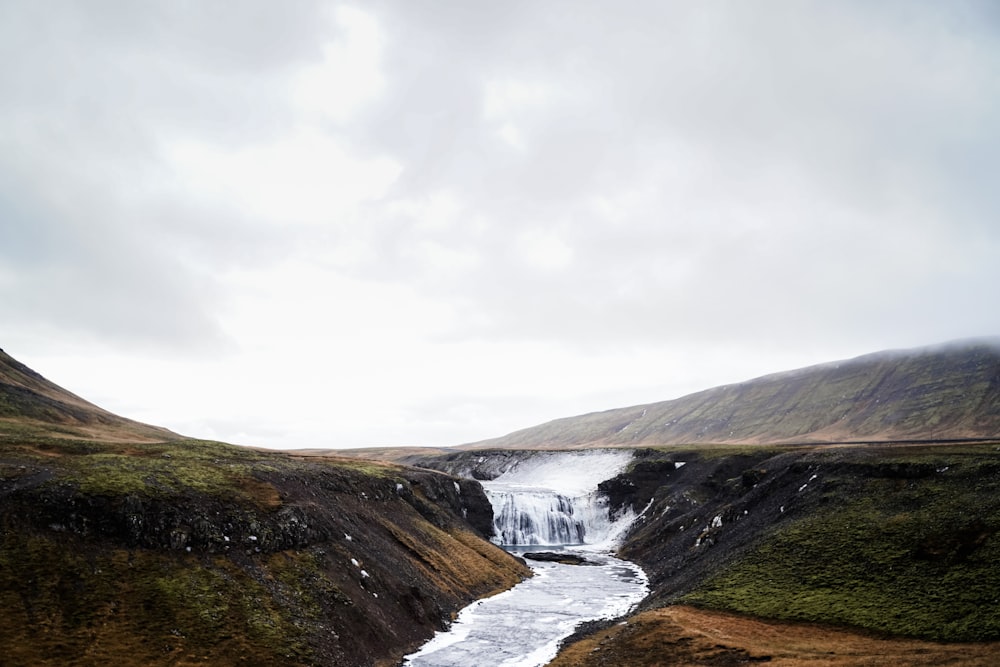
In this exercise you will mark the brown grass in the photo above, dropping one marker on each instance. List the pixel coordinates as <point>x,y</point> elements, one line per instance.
<point>679,635</point>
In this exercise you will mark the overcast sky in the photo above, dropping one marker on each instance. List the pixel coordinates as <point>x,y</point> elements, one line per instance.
<point>406,222</point>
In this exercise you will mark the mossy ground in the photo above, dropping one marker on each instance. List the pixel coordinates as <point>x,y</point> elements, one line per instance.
<point>914,552</point>
<point>69,602</point>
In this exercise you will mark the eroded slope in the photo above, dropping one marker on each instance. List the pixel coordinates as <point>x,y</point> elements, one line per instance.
<point>189,551</point>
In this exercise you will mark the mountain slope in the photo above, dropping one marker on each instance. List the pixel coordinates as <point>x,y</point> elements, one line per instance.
<point>951,392</point>
<point>125,544</point>
<point>31,403</point>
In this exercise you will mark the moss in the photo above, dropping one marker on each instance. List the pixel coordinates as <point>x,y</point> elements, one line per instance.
<point>709,452</point>
<point>900,552</point>
<point>191,551</point>
<point>150,469</point>
<point>366,467</point>
<point>143,606</point>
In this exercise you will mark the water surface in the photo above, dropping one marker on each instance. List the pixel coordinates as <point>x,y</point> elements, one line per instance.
<point>522,627</point>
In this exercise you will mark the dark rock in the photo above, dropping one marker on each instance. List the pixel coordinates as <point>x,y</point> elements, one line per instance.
<point>555,557</point>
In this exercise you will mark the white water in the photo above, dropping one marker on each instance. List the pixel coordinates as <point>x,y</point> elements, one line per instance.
<point>552,499</point>
<point>522,627</point>
<point>548,499</point>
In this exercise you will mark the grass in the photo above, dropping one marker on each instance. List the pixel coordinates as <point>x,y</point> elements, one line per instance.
<point>710,451</point>
<point>166,468</point>
<point>135,608</point>
<point>681,635</point>
<point>913,556</point>
<point>150,469</point>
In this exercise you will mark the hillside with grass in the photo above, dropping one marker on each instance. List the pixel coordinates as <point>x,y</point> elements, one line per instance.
<point>32,405</point>
<point>946,393</point>
<point>125,544</point>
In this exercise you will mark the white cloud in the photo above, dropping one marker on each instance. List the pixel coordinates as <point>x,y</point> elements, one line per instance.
<point>391,223</point>
<point>306,177</point>
<point>544,250</point>
<point>507,98</point>
<point>350,76</point>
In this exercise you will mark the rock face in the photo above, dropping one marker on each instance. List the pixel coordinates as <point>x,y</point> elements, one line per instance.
<point>557,557</point>
<point>481,465</point>
<point>929,395</point>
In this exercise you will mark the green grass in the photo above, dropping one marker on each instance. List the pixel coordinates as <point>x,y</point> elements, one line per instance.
<point>370,468</point>
<point>146,469</point>
<point>150,470</point>
<point>708,452</point>
<point>143,605</point>
<point>915,557</point>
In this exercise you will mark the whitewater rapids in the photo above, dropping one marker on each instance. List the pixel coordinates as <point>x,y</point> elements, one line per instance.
<point>547,499</point>
<point>552,499</point>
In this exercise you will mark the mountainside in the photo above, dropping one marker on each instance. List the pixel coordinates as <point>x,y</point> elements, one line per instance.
<point>948,393</point>
<point>120,548</point>
<point>31,404</point>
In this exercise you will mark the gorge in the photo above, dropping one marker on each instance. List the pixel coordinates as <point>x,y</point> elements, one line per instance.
<point>550,499</point>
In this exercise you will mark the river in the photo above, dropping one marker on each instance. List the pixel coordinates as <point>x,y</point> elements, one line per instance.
<point>522,627</point>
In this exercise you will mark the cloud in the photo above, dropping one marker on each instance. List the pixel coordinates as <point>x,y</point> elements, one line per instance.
<point>722,164</point>
<point>543,204</point>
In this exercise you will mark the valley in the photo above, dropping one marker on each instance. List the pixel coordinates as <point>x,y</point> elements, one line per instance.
<point>851,516</point>
<point>545,500</point>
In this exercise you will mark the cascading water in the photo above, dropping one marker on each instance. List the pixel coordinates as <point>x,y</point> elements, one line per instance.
<point>546,498</point>
<point>552,499</point>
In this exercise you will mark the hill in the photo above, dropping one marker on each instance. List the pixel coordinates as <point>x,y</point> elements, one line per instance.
<point>31,404</point>
<point>126,544</point>
<point>934,394</point>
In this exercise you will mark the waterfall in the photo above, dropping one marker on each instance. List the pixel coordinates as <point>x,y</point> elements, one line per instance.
<point>541,516</point>
<point>552,499</point>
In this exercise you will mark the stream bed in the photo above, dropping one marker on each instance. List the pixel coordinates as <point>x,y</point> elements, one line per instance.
<point>522,627</point>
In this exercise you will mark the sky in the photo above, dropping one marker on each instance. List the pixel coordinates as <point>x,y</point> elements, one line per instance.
<point>403,222</point>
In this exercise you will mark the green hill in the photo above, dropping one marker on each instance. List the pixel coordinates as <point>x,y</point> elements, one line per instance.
<point>946,393</point>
